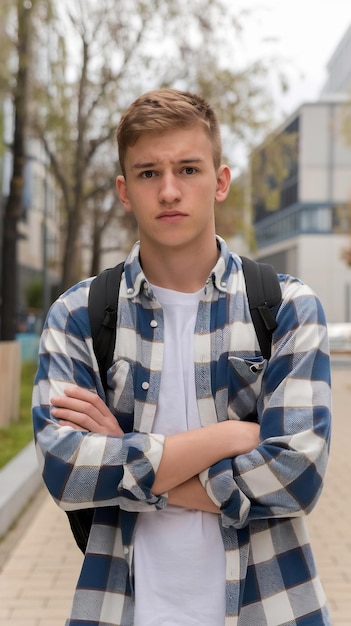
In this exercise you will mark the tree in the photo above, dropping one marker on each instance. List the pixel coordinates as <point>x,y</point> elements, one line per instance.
<point>13,205</point>
<point>105,54</point>
<point>231,215</point>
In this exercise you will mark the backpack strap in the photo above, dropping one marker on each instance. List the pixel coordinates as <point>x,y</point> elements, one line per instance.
<point>102,308</point>
<point>264,296</point>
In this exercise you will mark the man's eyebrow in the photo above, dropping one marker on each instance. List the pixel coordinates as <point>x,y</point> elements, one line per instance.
<point>195,159</point>
<point>142,166</point>
<point>151,164</point>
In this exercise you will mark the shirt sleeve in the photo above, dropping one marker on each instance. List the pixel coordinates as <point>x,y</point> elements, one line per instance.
<point>83,469</point>
<point>283,476</point>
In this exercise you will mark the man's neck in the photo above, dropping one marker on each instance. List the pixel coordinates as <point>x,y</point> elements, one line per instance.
<point>178,269</point>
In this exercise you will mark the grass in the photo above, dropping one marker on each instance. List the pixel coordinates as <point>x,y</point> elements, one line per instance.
<point>18,434</point>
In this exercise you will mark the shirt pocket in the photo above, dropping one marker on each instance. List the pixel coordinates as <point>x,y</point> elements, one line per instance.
<point>120,393</point>
<point>244,386</point>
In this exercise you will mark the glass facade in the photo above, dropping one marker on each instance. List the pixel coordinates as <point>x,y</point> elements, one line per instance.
<point>274,173</point>
<point>296,220</point>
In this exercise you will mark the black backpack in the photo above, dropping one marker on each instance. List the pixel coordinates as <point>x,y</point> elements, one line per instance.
<point>264,296</point>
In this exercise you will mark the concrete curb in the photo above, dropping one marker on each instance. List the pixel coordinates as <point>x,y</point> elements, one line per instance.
<point>20,479</point>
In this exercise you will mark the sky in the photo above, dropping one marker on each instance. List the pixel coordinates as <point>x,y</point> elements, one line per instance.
<point>303,33</point>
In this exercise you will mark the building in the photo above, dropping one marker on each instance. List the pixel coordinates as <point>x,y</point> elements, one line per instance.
<point>339,67</point>
<point>39,255</point>
<point>301,192</point>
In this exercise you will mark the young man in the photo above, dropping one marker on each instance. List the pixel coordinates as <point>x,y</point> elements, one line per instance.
<point>205,458</point>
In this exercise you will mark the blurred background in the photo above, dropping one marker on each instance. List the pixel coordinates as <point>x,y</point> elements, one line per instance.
<point>279,77</point>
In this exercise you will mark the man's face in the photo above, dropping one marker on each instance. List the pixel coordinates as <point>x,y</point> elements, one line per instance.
<point>171,186</point>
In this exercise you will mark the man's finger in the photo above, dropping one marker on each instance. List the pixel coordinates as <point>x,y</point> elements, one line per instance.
<point>79,406</point>
<point>80,393</point>
<point>72,425</point>
<point>74,417</point>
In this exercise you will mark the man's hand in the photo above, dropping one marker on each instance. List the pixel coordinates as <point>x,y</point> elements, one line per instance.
<point>84,410</point>
<point>192,495</point>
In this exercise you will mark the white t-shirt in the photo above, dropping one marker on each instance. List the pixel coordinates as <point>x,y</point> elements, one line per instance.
<point>179,558</point>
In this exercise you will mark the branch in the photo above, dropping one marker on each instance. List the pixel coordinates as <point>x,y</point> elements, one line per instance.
<point>56,169</point>
<point>96,143</point>
<point>113,78</point>
<point>99,189</point>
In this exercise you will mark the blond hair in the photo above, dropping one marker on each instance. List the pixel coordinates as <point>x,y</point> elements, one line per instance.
<point>167,109</point>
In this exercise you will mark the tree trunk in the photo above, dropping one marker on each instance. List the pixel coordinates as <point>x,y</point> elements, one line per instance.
<point>95,244</point>
<point>72,251</point>
<point>13,206</point>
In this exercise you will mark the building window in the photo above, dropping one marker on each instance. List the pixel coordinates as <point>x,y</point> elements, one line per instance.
<point>316,220</point>
<point>294,221</point>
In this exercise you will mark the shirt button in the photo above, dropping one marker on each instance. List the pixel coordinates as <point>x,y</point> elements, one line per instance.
<point>130,290</point>
<point>126,550</point>
<point>145,385</point>
<point>223,283</point>
<point>153,324</point>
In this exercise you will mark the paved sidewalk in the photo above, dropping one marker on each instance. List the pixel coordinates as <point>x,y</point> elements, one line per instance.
<point>38,578</point>
<point>41,562</point>
<point>329,523</point>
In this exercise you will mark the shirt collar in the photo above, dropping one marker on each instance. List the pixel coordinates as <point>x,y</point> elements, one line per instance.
<point>136,280</point>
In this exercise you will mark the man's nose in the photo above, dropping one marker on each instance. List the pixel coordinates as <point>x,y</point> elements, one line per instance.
<point>169,189</point>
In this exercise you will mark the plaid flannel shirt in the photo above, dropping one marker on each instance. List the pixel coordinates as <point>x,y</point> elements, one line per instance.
<point>263,496</point>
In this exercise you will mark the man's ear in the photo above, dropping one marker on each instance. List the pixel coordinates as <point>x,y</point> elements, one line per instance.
<point>223,183</point>
<point>122,191</point>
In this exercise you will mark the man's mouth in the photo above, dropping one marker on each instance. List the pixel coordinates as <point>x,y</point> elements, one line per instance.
<point>171,216</point>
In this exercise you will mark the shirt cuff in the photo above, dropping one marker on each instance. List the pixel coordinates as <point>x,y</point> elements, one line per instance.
<point>142,461</point>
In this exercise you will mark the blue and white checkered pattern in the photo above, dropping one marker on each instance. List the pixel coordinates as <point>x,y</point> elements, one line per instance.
<point>263,496</point>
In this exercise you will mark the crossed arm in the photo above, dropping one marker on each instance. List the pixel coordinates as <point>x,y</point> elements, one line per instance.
<point>185,454</point>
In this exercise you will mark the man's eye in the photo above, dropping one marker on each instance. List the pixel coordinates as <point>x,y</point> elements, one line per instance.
<point>147,174</point>
<point>189,170</point>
